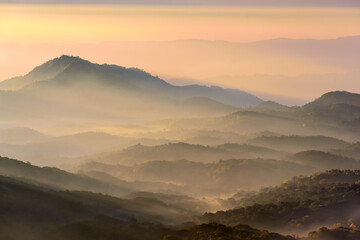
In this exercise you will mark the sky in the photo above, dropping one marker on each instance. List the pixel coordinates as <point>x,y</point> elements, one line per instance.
<point>311,3</point>
<point>29,24</point>
<point>37,30</point>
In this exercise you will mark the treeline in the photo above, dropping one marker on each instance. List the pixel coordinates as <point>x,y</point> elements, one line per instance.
<point>299,203</point>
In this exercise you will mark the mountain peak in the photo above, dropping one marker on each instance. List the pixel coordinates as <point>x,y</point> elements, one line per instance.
<point>65,57</point>
<point>336,97</point>
<point>271,105</point>
<point>61,62</point>
<point>55,66</point>
<point>69,59</point>
<point>70,71</point>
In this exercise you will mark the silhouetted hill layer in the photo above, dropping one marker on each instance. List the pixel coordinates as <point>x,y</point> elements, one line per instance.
<point>332,98</point>
<point>30,212</point>
<point>20,135</point>
<point>211,179</point>
<point>179,151</point>
<point>324,160</point>
<point>337,119</point>
<point>339,233</point>
<point>301,203</point>
<point>74,72</point>
<point>58,178</point>
<point>216,231</point>
<point>299,143</point>
<point>34,213</point>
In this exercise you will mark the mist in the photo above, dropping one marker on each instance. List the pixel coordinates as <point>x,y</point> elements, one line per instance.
<point>93,151</point>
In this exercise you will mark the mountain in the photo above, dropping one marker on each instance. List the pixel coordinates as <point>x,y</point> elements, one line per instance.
<point>335,108</point>
<point>21,135</point>
<point>206,179</point>
<point>324,160</point>
<point>33,212</point>
<point>299,125</point>
<point>155,189</point>
<point>217,231</point>
<point>332,98</point>
<point>38,213</point>
<point>299,204</point>
<point>352,151</point>
<point>312,66</point>
<point>298,143</point>
<point>339,233</point>
<point>67,69</point>
<point>50,150</point>
<point>58,179</point>
<point>205,103</point>
<point>337,121</point>
<point>178,151</point>
<point>100,182</point>
<point>313,187</point>
<point>270,105</point>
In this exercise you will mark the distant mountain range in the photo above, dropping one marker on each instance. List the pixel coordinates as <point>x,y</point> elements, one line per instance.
<point>313,66</point>
<point>334,114</point>
<point>332,98</point>
<point>68,68</point>
<point>71,86</point>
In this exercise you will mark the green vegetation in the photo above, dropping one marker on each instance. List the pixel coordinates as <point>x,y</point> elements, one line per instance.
<point>339,233</point>
<point>338,97</point>
<point>58,178</point>
<point>299,203</point>
<point>177,154</point>
<point>320,185</point>
<point>216,231</point>
<point>35,213</point>
<point>214,179</point>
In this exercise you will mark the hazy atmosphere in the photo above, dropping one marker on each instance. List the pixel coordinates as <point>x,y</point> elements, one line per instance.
<point>250,47</point>
<point>180,120</point>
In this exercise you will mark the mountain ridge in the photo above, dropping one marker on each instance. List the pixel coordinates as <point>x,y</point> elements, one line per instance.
<point>335,97</point>
<point>59,67</point>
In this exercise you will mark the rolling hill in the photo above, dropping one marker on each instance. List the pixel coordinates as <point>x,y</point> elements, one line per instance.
<point>206,179</point>
<point>59,179</point>
<point>324,160</point>
<point>299,143</point>
<point>178,151</point>
<point>21,135</point>
<point>36,213</point>
<point>331,98</point>
<point>47,151</point>
<point>338,119</point>
<point>299,204</point>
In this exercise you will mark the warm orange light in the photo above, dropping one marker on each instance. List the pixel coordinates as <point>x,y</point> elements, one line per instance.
<point>78,24</point>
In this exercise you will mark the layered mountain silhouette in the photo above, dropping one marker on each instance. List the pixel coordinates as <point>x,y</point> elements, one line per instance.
<point>78,87</point>
<point>335,114</point>
<point>299,204</point>
<point>338,97</point>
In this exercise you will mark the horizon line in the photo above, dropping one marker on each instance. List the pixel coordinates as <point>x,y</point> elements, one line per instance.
<point>183,40</point>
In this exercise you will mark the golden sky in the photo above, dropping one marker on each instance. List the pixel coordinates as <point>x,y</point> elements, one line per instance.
<point>30,24</point>
<point>146,37</point>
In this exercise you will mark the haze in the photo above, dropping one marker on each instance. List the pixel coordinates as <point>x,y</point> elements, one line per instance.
<point>147,37</point>
<point>180,119</point>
